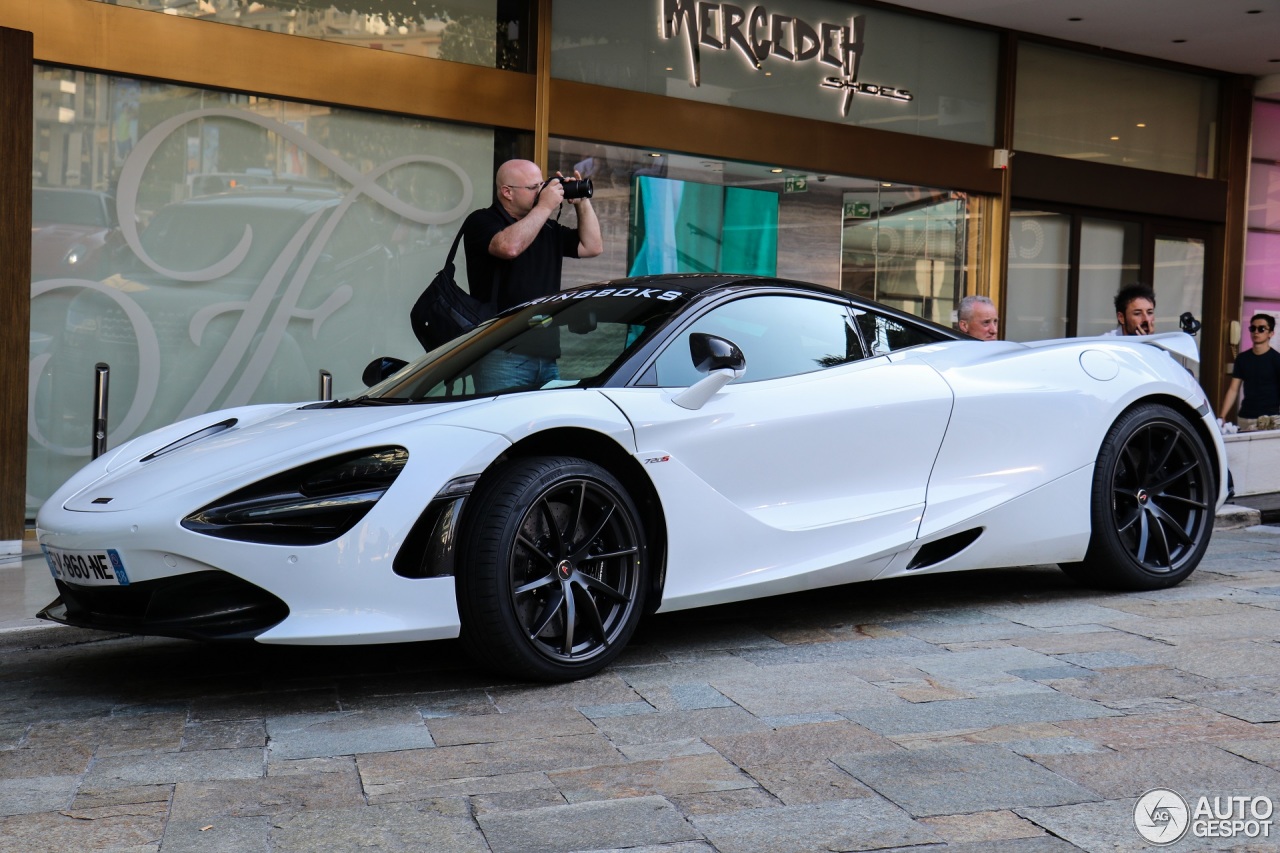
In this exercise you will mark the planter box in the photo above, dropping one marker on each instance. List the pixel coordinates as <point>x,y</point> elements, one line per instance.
<point>1254,460</point>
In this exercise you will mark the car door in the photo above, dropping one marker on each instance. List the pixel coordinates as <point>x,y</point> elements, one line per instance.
<point>808,470</point>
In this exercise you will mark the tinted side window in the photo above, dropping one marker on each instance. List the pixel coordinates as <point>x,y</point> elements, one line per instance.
<point>885,334</point>
<point>779,335</point>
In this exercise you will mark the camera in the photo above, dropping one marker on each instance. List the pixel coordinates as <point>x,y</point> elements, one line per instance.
<point>1188,323</point>
<point>573,188</point>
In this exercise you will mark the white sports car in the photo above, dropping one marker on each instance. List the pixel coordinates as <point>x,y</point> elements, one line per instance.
<point>539,484</point>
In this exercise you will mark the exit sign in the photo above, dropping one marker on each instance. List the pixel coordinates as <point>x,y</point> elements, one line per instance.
<point>795,184</point>
<point>857,210</point>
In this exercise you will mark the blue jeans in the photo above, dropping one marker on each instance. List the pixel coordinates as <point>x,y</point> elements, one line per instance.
<point>506,371</point>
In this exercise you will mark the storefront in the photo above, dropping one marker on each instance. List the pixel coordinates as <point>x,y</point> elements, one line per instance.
<point>222,208</point>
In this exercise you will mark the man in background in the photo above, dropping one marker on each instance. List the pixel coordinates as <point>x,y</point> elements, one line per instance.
<point>1257,371</point>
<point>1135,311</point>
<point>977,316</point>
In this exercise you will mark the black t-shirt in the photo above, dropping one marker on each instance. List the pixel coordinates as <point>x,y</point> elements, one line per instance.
<point>535,272</point>
<point>1261,377</point>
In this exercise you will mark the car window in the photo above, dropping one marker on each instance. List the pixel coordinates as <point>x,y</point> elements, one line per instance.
<point>72,207</point>
<point>588,333</point>
<point>779,335</point>
<point>887,334</point>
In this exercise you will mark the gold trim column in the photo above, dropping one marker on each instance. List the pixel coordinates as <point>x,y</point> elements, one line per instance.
<point>542,99</point>
<point>15,275</point>
<point>996,279</point>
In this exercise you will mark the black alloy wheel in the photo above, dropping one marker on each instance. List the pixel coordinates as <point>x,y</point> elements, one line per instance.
<point>1154,497</point>
<point>553,580</point>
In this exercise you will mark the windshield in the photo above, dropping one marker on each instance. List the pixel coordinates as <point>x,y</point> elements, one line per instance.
<point>574,339</point>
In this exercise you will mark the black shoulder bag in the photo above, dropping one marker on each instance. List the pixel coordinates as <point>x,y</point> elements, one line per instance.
<point>444,310</point>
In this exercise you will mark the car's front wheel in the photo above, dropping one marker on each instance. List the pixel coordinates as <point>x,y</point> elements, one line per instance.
<point>1153,503</point>
<point>553,580</point>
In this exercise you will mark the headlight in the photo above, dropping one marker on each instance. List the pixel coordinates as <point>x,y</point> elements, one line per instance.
<point>309,505</point>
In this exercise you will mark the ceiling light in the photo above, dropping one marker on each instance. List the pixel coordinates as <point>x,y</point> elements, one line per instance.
<point>1115,139</point>
<point>775,171</point>
<point>1142,124</point>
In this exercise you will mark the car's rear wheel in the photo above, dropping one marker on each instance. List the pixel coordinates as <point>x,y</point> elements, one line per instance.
<point>1153,503</point>
<point>553,580</point>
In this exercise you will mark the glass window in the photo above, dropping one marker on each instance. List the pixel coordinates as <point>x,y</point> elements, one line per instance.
<point>1110,254</point>
<point>586,334</point>
<point>1039,265</point>
<point>888,334</point>
<point>779,335</point>
<point>907,246</point>
<point>492,33</point>
<point>257,242</point>
<point>819,59</point>
<point>1054,290</point>
<point>1178,280</point>
<point>1107,111</point>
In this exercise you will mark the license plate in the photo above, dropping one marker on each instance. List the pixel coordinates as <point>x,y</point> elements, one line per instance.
<point>87,568</point>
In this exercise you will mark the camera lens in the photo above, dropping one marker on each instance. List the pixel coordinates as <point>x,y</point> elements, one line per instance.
<point>577,189</point>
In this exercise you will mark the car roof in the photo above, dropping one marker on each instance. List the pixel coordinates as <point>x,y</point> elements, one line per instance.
<point>707,285</point>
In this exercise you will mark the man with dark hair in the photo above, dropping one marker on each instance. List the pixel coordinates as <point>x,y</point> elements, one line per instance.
<point>977,316</point>
<point>1135,311</point>
<point>1257,371</point>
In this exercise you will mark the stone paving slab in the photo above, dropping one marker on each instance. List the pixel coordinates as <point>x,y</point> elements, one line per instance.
<point>1005,711</point>
<point>320,735</point>
<point>867,823</point>
<point>961,779</point>
<point>586,826</point>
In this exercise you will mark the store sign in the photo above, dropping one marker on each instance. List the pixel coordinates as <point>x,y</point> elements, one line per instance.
<point>759,35</point>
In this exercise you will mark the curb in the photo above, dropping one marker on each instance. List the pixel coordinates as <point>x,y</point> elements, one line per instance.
<point>1234,516</point>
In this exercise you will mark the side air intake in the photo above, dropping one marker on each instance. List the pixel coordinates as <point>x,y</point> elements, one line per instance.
<point>943,549</point>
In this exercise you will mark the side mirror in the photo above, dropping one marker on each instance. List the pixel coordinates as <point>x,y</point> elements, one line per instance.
<point>712,352</point>
<point>720,359</point>
<point>380,368</point>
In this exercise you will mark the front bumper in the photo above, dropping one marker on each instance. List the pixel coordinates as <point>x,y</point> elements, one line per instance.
<point>209,605</point>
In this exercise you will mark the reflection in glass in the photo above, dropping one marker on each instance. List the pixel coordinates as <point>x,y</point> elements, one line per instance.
<point>1104,110</point>
<point>906,246</point>
<point>1109,259</point>
<point>248,243</point>
<point>1039,262</point>
<point>1178,282</point>
<point>909,246</point>
<point>492,33</point>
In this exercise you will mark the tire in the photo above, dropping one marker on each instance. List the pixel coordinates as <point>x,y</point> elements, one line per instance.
<point>554,569</point>
<point>1152,507</point>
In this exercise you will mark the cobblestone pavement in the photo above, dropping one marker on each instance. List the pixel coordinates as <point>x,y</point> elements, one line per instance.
<point>991,711</point>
